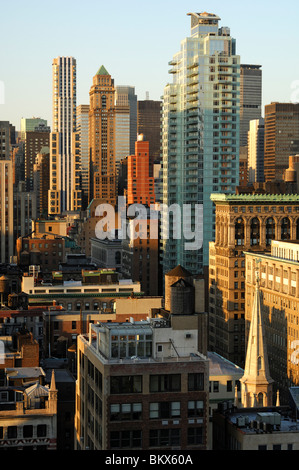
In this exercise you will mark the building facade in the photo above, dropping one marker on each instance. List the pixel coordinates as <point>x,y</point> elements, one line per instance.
<point>256,150</point>
<point>6,211</point>
<point>281,138</point>
<point>200,137</point>
<point>137,390</point>
<point>102,171</point>
<point>82,127</point>
<point>279,282</point>
<point>243,222</point>
<point>65,165</point>
<point>149,121</point>
<point>250,98</point>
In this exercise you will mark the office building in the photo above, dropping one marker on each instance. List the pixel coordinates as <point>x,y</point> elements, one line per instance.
<point>6,211</point>
<point>5,144</point>
<point>82,126</point>
<point>29,124</point>
<point>279,283</point>
<point>256,151</point>
<point>102,170</point>
<point>149,121</point>
<point>200,138</point>
<point>281,138</point>
<point>65,165</point>
<point>25,210</point>
<point>250,98</point>
<point>144,391</point>
<point>125,97</point>
<point>243,222</point>
<point>140,186</point>
<point>41,181</point>
<point>35,140</point>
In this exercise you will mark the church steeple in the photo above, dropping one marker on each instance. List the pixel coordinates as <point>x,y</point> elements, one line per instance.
<point>256,381</point>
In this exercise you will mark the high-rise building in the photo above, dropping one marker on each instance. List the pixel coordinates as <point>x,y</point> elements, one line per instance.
<point>256,151</point>
<point>125,96</point>
<point>278,273</point>
<point>41,181</point>
<point>83,130</point>
<point>29,124</point>
<point>6,194</point>
<point>4,140</point>
<point>65,167</point>
<point>102,171</point>
<point>244,222</point>
<point>281,138</point>
<point>200,139</point>
<point>140,186</point>
<point>6,211</point>
<point>144,392</point>
<point>34,141</point>
<point>250,98</point>
<point>149,120</point>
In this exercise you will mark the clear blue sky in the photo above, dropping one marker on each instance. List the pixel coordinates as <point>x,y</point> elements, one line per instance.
<point>134,40</point>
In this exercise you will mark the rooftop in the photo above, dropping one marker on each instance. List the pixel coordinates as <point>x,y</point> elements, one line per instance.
<point>243,198</point>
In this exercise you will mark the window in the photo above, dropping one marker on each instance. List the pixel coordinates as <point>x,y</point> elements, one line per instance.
<point>165,383</point>
<point>41,430</point>
<point>165,410</point>
<point>262,447</point>
<point>215,386</point>
<point>126,384</point>
<point>195,436</point>
<point>12,432</point>
<point>125,439</point>
<point>195,382</point>
<point>229,385</point>
<point>28,431</point>
<point>164,437</point>
<point>125,411</point>
<point>195,408</point>
<point>73,325</point>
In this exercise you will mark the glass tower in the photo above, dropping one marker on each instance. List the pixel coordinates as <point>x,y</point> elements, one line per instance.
<point>200,137</point>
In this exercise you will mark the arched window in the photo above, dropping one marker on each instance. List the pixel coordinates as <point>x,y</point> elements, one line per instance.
<point>270,230</point>
<point>285,229</point>
<point>239,232</point>
<point>260,399</point>
<point>255,231</point>
<point>117,257</point>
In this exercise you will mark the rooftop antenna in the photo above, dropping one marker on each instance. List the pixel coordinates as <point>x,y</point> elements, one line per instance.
<point>147,95</point>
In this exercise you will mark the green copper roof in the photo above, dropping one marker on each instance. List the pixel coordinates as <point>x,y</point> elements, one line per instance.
<point>102,71</point>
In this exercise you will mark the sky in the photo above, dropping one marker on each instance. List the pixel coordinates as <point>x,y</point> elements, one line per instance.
<point>134,40</point>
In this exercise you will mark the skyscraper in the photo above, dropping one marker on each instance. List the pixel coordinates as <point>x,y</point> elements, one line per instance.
<point>83,131</point>
<point>125,96</point>
<point>65,192</point>
<point>200,137</point>
<point>149,119</point>
<point>102,171</point>
<point>256,151</point>
<point>35,140</point>
<point>6,195</point>
<point>250,98</point>
<point>281,138</point>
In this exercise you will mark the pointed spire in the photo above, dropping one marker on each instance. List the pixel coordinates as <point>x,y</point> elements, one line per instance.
<point>102,71</point>
<point>53,383</point>
<point>256,372</point>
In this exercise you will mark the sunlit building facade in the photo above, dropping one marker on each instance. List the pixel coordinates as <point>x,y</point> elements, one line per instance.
<point>200,136</point>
